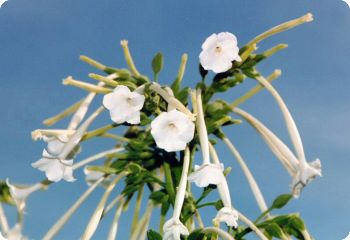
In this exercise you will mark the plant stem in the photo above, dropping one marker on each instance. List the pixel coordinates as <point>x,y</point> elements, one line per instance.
<point>255,90</point>
<point>114,226</point>
<point>86,86</point>
<point>137,209</point>
<point>93,63</point>
<point>68,111</point>
<point>214,230</point>
<point>3,220</point>
<point>169,182</point>
<point>98,131</point>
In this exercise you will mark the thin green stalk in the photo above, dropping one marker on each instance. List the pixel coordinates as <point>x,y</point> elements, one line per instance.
<point>252,226</point>
<point>169,182</point>
<point>98,131</point>
<point>255,90</point>
<point>282,27</point>
<point>128,58</point>
<point>68,111</point>
<point>86,86</point>
<point>93,63</point>
<point>135,218</point>
<point>214,230</point>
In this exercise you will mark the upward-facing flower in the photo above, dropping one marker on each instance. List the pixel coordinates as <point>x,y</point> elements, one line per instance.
<point>172,130</point>
<point>218,52</point>
<point>124,105</point>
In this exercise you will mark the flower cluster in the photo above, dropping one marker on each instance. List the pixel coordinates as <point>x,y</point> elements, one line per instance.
<point>165,127</point>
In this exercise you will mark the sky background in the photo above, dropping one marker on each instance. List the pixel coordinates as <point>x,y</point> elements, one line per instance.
<point>40,43</point>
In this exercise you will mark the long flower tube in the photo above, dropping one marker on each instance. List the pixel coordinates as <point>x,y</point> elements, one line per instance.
<point>302,173</point>
<point>291,126</point>
<point>62,221</point>
<point>114,226</point>
<point>207,173</point>
<point>252,226</point>
<point>3,220</point>
<point>173,228</point>
<point>252,183</point>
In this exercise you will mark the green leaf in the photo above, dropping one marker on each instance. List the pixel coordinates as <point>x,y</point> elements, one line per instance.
<point>196,234</point>
<point>297,223</point>
<point>274,230</point>
<point>157,63</point>
<point>281,201</point>
<point>153,235</point>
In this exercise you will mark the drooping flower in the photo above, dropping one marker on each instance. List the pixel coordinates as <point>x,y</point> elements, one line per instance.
<point>218,52</point>
<point>51,163</point>
<point>124,105</point>
<point>172,130</point>
<point>20,194</point>
<point>305,175</point>
<point>55,169</point>
<point>173,229</point>
<point>303,172</point>
<point>228,215</point>
<point>207,174</point>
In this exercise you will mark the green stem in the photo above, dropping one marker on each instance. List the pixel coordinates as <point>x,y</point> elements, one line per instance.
<point>137,209</point>
<point>169,182</point>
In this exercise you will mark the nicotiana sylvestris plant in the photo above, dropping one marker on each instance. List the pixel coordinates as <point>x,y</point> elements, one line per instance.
<point>155,160</point>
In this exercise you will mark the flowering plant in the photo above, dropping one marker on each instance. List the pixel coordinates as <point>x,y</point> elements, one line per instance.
<point>164,128</point>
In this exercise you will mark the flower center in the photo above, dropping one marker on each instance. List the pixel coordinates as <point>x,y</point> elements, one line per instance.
<point>172,126</point>
<point>218,49</point>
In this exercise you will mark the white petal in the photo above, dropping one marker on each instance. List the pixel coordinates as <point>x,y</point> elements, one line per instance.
<point>55,169</point>
<point>173,229</point>
<point>54,145</point>
<point>228,215</point>
<point>134,118</point>
<point>210,42</point>
<point>172,130</point>
<point>305,175</point>
<point>2,237</point>
<point>207,174</point>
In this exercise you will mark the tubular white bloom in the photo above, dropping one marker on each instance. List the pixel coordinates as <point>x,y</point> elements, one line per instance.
<point>172,130</point>
<point>207,174</point>
<point>124,105</point>
<point>20,194</point>
<point>218,52</point>
<point>55,169</point>
<point>173,229</point>
<point>305,175</point>
<point>302,172</point>
<point>228,215</point>
<point>93,176</point>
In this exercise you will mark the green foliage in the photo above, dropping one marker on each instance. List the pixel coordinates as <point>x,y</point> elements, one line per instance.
<point>153,235</point>
<point>157,64</point>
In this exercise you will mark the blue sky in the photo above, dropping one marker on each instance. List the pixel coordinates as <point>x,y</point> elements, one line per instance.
<point>40,43</point>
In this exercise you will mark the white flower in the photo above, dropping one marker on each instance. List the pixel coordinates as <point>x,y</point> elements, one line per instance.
<point>305,175</point>
<point>124,105</point>
<point>228,215</point>
<point>173,229</point>
<point>2,237</point>
<point>172,130</point>
<point>93,176</point>
<point>218,52</point>
<point>20,194</point>
<point>55,169</point>
<point>207,174</point>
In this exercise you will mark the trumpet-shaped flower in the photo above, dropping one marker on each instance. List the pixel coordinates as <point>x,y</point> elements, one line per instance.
<point>51,163</point>
<point>20,194</point>
<point>173,229</point>
<point>207,174</point>
<point>55,169</point>
<point>172,130</point>
<point>228,215</point>
<point>305,175</point>
<point>218,52</point>
<point>124,105</point>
